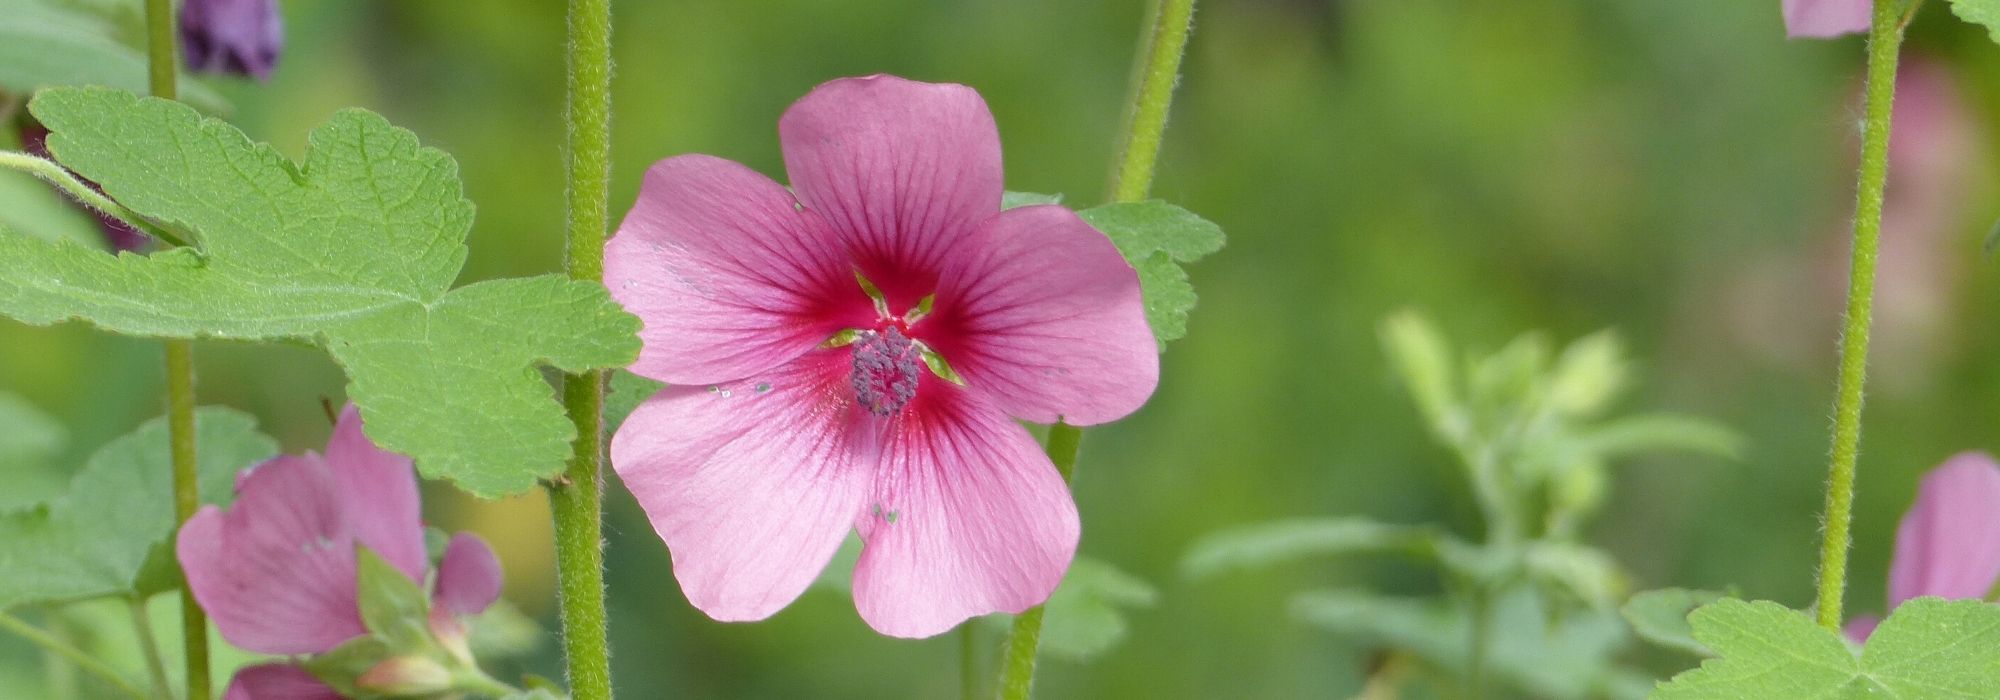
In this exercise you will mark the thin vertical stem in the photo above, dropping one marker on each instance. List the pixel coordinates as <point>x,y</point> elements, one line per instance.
<point>1131,179</point>
<point>578,497</point>
<point>156,666</point>
<point>1885,38</point>
<point>161,72</point>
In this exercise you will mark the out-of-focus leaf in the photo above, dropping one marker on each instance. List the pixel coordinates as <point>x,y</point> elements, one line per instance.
<point>1157,238</point>
<point>1265,544</point>
<point>1504,385</point>
<point>354,250</point>
<point>43,45</point>
<point>1928,648</point>
<point>839,573</point>
<point>1589,574</point>
<point>1655,432</point>
<point>1661,617</point>
<point>1423,359</point>
<point>535,694</point>
<point>1085,616</point>
<point>627,391</point>
<point>29,206</point>
<point>503,632</point>
<point>1009,200</point>
<point>96,540</point>
<point>1590,372</point>
<point>1569,659</point>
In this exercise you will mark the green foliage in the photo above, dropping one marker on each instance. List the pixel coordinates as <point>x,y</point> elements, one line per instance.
<point>355,250</point>
<point>1982,12</point>
<point>1009,200</point>
<point>96,540</point>
<point>1928,648</point>
<point>1560,658</point>
<point>1661,617</point>
<point>628,390</point>
<point>45,44</point>
<point>1085,616</point>
<point>394,608</point>
<point>1158,238</point>
<point>1266,544</point>
<point>30,206</point>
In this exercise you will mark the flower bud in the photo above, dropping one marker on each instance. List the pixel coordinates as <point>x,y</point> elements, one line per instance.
<point>405,675</point>
<point>233,37</point>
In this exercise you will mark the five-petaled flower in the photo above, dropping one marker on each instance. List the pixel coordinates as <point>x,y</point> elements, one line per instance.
<point>1825,19</point>
<point>852,355</point>
<point>1949,543</point>
<point>277,571</point>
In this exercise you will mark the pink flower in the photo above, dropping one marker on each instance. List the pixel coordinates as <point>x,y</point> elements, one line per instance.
<point>276,572</point>
<point>804,408</point>
<point>1949,543</point>
<point>1823,19</point>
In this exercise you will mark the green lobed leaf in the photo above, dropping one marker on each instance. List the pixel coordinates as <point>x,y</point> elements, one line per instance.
<point>44,45</point>
<point>1158,238</point>
<point>1085,617</point>
<point>1928,648</point>
<point>355,249</point>
<point>95,540</point>
<point>393,607</point>
<point>29,206</point>
<point>1661,617</point>
<point>1982,12</point>
<point>627,391</point>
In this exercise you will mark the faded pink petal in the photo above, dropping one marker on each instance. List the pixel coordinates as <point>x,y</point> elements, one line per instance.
<point>902,170</point>
<point>1949,543</point>
<point>969,518</point>
<point>468,577</point>
<point>278,681</point>
<point>729,276</point>
<point>1042,313</point>
<point>751,484</point>
<point>1821,19</point>
<point>276,572</point>
<point>1860,627</point>
<point>379,496</point>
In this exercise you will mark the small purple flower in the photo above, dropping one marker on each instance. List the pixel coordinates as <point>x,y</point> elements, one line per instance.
<point>1949,544</point>
<point>233,37</point>
<point>277,571</point>
<point>121,235</point>
<point>1825,19</point>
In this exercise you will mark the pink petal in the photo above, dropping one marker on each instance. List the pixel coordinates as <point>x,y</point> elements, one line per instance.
<point>1821,19</point>
<point>728,275</point>
<point>969,518</point>
<point>276,572</point>
<point>1039,311</point>
<point>468,577</point>
<point>901,169</point>
<point>279,681</point>
<point>379,496</point>
<point>1860,627</point>
<point>1949,543</point>
<point>752,484</point>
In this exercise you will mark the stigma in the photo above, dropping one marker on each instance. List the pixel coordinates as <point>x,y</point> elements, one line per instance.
<point>886,366</point>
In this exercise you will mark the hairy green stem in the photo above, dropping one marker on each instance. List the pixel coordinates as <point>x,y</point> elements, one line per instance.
<point>90,664</point>
<point>156,665</point>
<point>577,499</point>
<point>161,72</point>
<point>1885,37</point>
<point>61,177</point>
<point>1157,72</point>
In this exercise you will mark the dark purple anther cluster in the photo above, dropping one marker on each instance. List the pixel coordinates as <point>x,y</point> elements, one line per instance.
<point>234,37</point>
<point>886,366</point>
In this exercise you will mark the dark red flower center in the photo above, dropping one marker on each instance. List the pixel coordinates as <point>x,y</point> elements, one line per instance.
<point>886,366</point>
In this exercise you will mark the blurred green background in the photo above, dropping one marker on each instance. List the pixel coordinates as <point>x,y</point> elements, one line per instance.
<point>1675,170</point>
